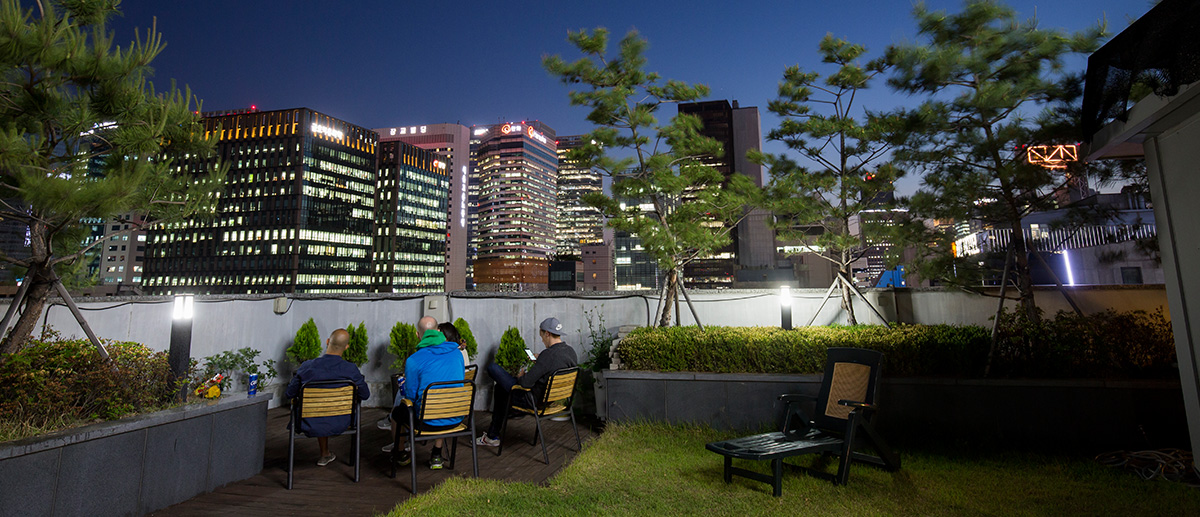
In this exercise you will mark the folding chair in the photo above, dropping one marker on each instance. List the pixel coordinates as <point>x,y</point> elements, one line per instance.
<point>324,399</point>
<point>559,394</point>
<point>448,399</point>
<point>844,411</point>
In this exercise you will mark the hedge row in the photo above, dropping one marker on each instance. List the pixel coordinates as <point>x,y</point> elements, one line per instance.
<point>1104,345</point>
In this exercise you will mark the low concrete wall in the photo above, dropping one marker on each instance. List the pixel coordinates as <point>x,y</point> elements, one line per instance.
<point>135,465</point>
<point>1075,415</point>
<point>231,322</point>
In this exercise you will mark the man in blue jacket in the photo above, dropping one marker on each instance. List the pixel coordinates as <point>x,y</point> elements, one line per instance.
<point>436,360</point>
<point>328,367</point>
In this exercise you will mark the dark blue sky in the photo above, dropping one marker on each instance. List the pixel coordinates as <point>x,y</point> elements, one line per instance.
<point>391,63</point>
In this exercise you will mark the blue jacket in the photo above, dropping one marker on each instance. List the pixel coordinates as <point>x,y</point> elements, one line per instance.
<point>430,364</point>
<point>324,368</point>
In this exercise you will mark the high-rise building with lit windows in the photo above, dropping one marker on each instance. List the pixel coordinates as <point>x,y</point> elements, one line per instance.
<point>451,143</point>
<point>578,223</point>
<point>297,214</point>
<point>516,170</point>
<point>411,199</point>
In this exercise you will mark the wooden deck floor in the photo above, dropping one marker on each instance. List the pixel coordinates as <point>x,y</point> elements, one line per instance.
<point>331,490</point>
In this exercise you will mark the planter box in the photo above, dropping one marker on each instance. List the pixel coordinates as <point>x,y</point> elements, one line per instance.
<point>1076,415</point>
<point>135,465</point>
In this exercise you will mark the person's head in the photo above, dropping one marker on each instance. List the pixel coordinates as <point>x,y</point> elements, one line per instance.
<point>426,323</point>
<point>550,331</point>
<point>450,331</point>
<point>338,342</point>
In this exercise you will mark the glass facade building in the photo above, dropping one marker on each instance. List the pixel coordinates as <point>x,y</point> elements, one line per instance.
<point>516,180</point>
<point>578,223</point>
<point>412,198</point>
<point>297,214</point>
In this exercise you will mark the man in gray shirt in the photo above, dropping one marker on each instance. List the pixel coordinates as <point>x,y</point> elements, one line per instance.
<point>556,356</point>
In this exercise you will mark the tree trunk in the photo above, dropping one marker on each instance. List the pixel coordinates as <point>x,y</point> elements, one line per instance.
<point>670,293</point>
<point>847,301</point>
<point>39,289</point>
<point>1021,272</point>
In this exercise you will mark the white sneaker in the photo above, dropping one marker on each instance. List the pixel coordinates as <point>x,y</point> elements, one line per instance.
<point>490,442</point>
<point>385,424</point>
<point>389,447</point>
<point>563,418</point>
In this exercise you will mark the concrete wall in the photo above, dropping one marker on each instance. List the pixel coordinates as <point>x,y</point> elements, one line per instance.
<point>228,323</point>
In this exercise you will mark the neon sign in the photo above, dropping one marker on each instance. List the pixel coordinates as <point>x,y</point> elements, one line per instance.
<point>1053,156</point>
<point>509,128</point>
<point>536,136</point>
<point>327,131</point>
<point>462,198</point>
<point>481,131</point>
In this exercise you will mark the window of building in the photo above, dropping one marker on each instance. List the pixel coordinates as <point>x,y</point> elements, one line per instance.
<point>1131,275</point>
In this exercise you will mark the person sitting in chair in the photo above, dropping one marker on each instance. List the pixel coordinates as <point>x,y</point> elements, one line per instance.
<point>556,356</point>
<point>328,367</point>
<point>437,359</point>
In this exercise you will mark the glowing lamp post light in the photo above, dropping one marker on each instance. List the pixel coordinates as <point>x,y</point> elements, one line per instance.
<point>785,307</point>
<point>181,339</point>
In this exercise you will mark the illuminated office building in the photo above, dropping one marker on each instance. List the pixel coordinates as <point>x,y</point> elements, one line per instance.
<point>451,143</point>
<point>516,170</point>
<point>411,199</point>
<point>296,215</point>
<point>578,223</point>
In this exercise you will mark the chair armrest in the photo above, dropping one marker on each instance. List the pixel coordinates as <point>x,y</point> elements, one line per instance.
<point>857,404</point>
<point>796,397</point>
<point>518,387</point>
<point>406,402</point>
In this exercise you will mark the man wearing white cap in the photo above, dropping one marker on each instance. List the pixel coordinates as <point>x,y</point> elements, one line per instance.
<point>556,356</point>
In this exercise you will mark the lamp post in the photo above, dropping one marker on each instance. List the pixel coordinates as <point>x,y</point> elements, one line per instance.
<point>785,307</point>
<point>181,339</point>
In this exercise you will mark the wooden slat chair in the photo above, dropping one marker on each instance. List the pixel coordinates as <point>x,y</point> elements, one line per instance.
<point>559,394</point>
<point>844,419</point>
<point>323,399</point>
<point>470,371</point>
<point>447,399</point>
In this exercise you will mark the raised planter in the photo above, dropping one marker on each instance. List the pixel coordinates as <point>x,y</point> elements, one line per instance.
<point>135,465</point>
<point>1078,415</point>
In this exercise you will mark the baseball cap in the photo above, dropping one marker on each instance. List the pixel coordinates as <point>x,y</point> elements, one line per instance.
<point>552,325</point>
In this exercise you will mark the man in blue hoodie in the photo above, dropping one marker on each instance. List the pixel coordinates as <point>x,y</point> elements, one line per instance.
<point>436,360</point>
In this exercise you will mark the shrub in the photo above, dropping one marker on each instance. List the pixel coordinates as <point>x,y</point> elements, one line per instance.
<point>468,338</point>
<point>403,342</point>
<point>236,363</point>
<point>600,339</point>
<point>511,354</point>
<point>64,381</point>
<point>357,352</point>
<point>1108,344</point>
<point>1103,345</point>
<point>307,344</point>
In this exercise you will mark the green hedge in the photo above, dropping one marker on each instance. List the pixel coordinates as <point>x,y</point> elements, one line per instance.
<point>1103,345</point>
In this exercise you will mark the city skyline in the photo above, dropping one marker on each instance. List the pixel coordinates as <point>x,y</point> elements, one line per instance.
<point>480,64</point>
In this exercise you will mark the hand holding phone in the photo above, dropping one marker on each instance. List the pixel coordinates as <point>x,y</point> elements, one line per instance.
<point>529,353</point>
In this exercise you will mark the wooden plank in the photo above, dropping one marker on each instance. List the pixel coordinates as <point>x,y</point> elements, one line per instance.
<point>331,490</point>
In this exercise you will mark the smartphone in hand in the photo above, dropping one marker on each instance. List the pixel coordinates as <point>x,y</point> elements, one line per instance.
<point>529,353</point>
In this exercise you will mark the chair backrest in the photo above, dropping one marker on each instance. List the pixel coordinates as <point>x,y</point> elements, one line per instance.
<point>447,399</point>
<point>850,373</point>
<point>560,387</point>
<point>469,372</point>
<point>327,398</point>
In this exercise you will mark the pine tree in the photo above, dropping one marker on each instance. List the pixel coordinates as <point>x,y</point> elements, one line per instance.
<point>357,351</point>
<point>467,337</point>
<point>511,353</point>
<point>823,124</point>
<point>986,73</point>
<point>307,344</point>
<point>83,134</point>
<point>692,206</point>
<point>402,342</point>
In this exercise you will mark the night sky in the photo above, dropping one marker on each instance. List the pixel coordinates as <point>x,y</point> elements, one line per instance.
<point>392,63</point>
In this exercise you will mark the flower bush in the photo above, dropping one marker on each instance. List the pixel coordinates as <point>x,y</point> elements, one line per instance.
<point>66,381</point>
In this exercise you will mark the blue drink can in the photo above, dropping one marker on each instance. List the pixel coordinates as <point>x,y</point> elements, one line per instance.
<point>252,385</point>
<point>400,386</point>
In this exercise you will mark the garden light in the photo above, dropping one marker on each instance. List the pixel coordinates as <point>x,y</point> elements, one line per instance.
<point>785,307</point>
<point>181,339</point>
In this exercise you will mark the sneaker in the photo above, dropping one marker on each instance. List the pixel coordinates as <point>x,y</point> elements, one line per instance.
<point>436,463</point>
<point>561,418</point>
<point>389,447</point>
<point>325,460</point>
<point>385,424</point>
<point>403,458</point>
<point>485,440</point>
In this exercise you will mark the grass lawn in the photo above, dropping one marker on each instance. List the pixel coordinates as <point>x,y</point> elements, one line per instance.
<point>654,469</point>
